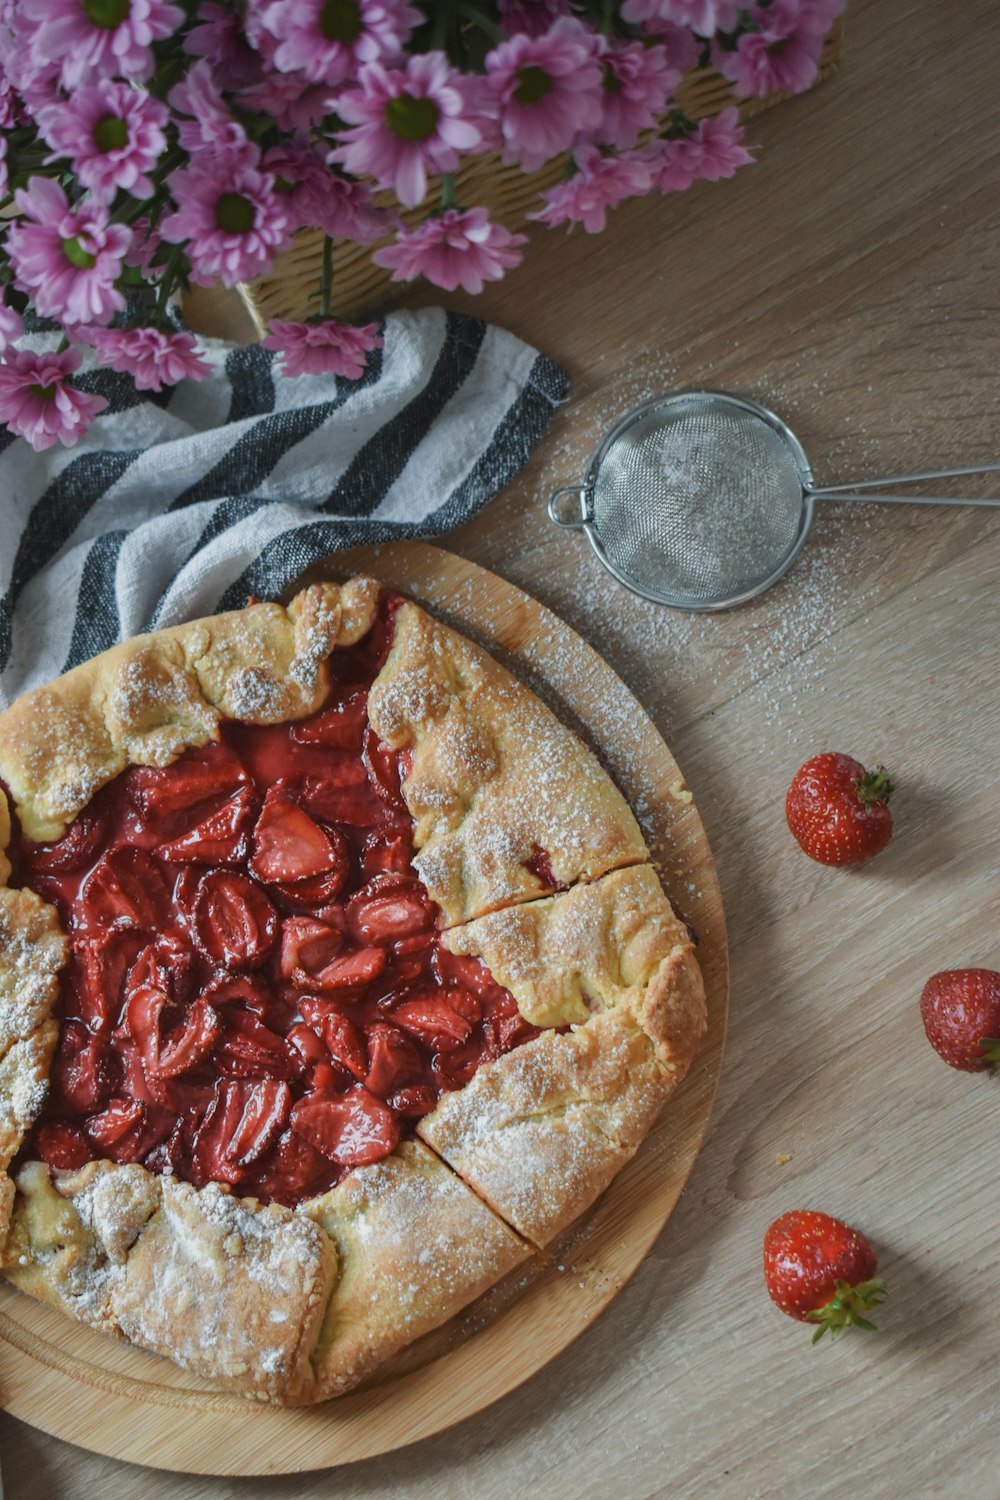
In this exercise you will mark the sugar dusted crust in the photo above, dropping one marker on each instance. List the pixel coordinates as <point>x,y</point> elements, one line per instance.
<point>144,702</point>
<point>296,1305</point>
<point>495,778</point>
<point>415,1246</point>
<point>540,1132</point>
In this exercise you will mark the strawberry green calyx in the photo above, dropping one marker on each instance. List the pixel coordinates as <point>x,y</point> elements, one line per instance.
<point>989,1046</point>
<point>874,786</point>
<point>847,1307</point>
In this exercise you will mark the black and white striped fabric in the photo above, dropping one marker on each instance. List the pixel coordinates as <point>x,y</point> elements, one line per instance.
<point>185,502</point>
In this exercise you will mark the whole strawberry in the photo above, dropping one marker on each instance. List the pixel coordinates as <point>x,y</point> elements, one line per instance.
<point>837,810</point>
<point>820,1270</point>
<point>960,1009</point>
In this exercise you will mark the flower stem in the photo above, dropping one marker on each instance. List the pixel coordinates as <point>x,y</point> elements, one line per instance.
<point>479,18</point>
<point>326,278</point>
<point>448,197</point>
<point>168,282</point>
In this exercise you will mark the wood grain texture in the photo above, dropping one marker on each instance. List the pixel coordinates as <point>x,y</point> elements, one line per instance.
<point>107,1396</point>
<point>850,279</point>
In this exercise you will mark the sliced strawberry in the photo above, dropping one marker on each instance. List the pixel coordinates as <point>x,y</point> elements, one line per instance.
<point>433,1021</point>
<point>392,1059</point>
<point>253,991</point>
<point>466,1003</point>
<point>454,1068</point>
<point>111,1124</point>
<point>210,1158</point>
<point>351,970</point>
<point>308,1045</point>
<point>321,890</point>
<point>420,1099</point>
<point>211,770</point>
<point>383,770</point>
<point>289,845</point>
<point>466,973</point>
<point>509,1026</point>
<point>353,1130</point>
<point>387,851</point>
<point>102,963</point>
<point>344,798</point>
<point>249,1049</point>
<point>389,908</point>
<point>264,1115</point>
<point>184,1047</point>
<point>186,892</point>
<point>168,964</point>
<point>118,1129</point>
<point>223,838</point>
<point>63,1146</point>
<point>330,1078</point>
<point>79,846</point>
<point>81,1071</point>
<point>341,727</point>
<point>265,1107</point>
<point>346,1043</point>
<point>234,922</point>
<point>296,1167</point>
<point>307,946</point>
<point>124,889</point>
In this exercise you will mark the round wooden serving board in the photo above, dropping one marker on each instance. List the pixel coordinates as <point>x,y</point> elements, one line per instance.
<point>111,1398</point>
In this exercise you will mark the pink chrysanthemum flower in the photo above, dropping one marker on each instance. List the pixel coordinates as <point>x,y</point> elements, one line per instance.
<point>601,182</point>
<point>68,259</point>
<point>705,17</point>
<point>784,53</point>
<point>406,121</point>
<point>327,41</point>
<point>4,170</point>
<point>453,249</point>
<point>317,194</point>
<point>8,99</point>
<point>113,134</point>
<point>218,35</point>
<point>211,125</point>
<point>231,217</point>
<point>548,91</point>
<point>103,37</point>
<point>320,348</point>
<point>714,150</point>
<point>11,326</point>
<point>153,357</point>
<point>38,400</point>
<point>532,17</point>
<point>289,100</point>
<point>637,84</point>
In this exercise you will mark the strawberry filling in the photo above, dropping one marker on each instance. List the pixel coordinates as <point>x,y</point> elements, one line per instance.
<point>257,993</point>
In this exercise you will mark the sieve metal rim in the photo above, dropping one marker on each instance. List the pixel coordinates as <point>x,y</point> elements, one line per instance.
<point>584,520</point>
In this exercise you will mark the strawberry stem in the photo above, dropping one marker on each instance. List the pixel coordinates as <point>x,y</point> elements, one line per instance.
<point>874,786</point>
<point>847,1307</point>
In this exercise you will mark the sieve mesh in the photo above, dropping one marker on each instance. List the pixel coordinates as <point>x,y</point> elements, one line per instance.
<point>697,500</point>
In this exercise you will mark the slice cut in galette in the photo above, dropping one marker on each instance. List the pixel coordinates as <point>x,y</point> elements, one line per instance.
<point>334,982</point>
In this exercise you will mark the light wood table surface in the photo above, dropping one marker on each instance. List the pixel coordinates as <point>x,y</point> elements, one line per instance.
<point>851,280</point>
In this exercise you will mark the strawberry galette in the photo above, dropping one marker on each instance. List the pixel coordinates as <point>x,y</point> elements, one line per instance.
<point>334,979</point>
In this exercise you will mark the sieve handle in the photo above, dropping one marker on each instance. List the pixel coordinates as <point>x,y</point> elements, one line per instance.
<point>583,515</point>
<point>864,489</point>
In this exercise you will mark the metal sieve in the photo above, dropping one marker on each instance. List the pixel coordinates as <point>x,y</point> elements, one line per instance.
<point>701,500</point>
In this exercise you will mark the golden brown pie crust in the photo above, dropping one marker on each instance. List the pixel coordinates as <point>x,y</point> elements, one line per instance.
<point>295,1305</point>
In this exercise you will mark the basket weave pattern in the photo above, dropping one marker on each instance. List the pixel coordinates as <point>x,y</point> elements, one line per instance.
<point>291,288</point>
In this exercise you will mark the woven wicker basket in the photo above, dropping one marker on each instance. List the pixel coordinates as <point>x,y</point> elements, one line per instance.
<point>291,289</point>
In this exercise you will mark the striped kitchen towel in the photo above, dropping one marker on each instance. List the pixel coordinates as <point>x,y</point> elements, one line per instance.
<point>184,502</point>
